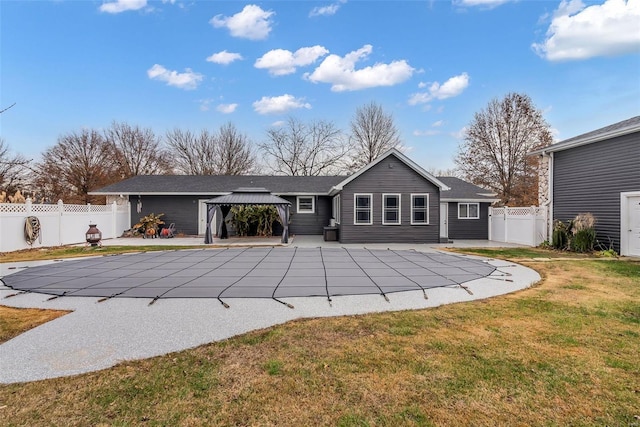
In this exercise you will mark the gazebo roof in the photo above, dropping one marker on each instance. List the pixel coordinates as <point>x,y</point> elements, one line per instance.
<point>248,196</point>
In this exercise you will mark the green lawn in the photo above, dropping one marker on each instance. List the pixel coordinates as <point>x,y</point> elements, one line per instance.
<point>564,352</point>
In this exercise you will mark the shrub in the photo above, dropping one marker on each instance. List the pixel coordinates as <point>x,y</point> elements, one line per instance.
<point>583,233</point>
<point>254,220</point>
<point>560,235</point>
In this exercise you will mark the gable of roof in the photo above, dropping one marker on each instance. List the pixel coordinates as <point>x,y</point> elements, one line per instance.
<point>404,159</point>
<point>617,129</point>
<point>461,190</point>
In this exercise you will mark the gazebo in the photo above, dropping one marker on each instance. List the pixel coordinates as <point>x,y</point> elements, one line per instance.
<point>245,196</point>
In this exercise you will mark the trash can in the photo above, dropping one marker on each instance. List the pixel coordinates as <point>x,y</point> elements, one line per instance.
<point>331,234</point>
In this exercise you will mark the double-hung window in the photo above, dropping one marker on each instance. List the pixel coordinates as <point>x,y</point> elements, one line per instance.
<point>362,209</point>
<point>419,209</point>
<point>306,204</point>
<point>390,209</point>
<point>468,210</point>
<point>336,209</point>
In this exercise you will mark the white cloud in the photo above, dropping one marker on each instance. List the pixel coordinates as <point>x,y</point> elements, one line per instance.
<point>452,87</point>
<point>278,123</point>
<point>122,6</point>
<point>252,23</point>
<point>328,10</point>
<point>280,62</point>
<point>204,104</point>
<point>460,134</point>
<point>437,124</point>
<point>187,80</point>
<point>579,32</point>
<point>343,76</point>
<point>226,108</point>
<point>224,57</point>
<point>279,104</point>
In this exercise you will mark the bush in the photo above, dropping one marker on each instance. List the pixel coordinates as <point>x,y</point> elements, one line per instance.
<point>254,220</point>
<point>583,233</point>
<point>560,235</point>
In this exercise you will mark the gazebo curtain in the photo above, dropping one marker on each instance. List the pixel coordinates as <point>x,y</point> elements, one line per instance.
<point>283,212</point>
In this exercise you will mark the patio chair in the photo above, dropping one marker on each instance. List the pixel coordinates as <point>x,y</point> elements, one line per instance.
<point>169,231</point>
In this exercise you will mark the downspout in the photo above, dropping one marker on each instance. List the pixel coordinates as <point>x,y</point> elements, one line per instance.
<point>549,203</point>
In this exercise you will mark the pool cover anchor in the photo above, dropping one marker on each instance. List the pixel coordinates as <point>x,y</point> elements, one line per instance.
<point>224,304</point>
<point>153,301</point>
<point>282,302</point>
<point>16,294</point>
<point>57,296</point>
<point>466,288</point>
<point>109,297</point>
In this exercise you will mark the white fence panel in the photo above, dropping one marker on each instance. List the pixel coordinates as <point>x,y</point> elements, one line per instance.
<point>60,224</point>
<point>521,225</point>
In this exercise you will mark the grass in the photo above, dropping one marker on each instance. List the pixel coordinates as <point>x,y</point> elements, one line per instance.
<point>564,352</point>
<point>14,321</point>
<point>81,251</point>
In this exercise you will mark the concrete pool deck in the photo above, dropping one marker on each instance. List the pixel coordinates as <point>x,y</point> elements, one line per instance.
<point>97,335</point>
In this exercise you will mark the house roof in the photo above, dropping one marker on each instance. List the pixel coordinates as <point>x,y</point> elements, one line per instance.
<point>219,184</point>
<point>617,129</point>
<point>248,196</point>
<point>461,190</point>
<point>402,158</point>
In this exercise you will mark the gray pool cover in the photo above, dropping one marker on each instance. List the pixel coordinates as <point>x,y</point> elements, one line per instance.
<point>249,273</point>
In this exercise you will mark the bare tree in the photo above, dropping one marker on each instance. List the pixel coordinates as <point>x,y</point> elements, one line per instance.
<point>305,149</point>
<point>234,153</point>
<point>193,154</point>
<point>445,172</point>
<point>137,150</point>
<point>77,164</point>
<point>494,153</point>
<point>13,169</point>
<point>373,132</point>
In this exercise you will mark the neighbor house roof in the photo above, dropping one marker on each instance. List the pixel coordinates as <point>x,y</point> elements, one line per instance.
<point>219,184</point>
<point>617,129</point>
<point>461,190</point>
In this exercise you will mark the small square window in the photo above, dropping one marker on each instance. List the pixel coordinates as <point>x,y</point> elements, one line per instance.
<point>306,204</point>
<point>468,210</point>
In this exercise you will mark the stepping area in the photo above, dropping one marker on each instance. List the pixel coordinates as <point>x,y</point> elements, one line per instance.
<point>250,273</point>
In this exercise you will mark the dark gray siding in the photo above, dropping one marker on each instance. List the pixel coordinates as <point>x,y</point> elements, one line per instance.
<point>183,210</point>
<point>468,228</point>
<point>591,177</point>
<point>390,176</point>
<point>309,223</point>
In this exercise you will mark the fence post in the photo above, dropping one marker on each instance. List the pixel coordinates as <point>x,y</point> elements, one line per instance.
<point>114,219</point>
<point>60,215</point>
<point>505,221</point>
<point>534,225</point>
<point>490,221</point>
<point>27,205</point>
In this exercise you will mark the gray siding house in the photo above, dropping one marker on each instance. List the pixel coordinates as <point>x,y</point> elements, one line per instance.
<point>391,199</point>
<point>599,172</point>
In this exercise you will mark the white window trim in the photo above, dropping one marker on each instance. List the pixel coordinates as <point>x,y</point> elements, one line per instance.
<point>468,204</point>
<point>384,195</point>
<point>426,195</point>
<point>355,212</point>
<point>336,208</point>
<point>313,204</point>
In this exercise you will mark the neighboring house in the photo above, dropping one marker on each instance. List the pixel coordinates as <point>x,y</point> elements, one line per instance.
<point>391,199</point>
<point>597,172</point>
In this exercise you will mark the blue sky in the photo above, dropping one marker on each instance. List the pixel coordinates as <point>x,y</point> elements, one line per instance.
<point>199,64</point>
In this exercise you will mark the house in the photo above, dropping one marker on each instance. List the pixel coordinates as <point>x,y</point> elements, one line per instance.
<point>392,199</point>
<point>597,172</point>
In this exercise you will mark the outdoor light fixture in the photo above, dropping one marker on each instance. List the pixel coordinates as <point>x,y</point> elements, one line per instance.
<point>93,235</point>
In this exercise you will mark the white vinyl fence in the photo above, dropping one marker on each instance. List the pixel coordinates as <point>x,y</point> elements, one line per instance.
<point>526,226</point>
<point>60,224</point>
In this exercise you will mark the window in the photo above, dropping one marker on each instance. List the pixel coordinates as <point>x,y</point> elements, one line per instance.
<point>390,209</point>
<point>468,210</point>
<point>335,212</point>
<point>362,204</point>
<point>419,209</point>
<point>306,204</point>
